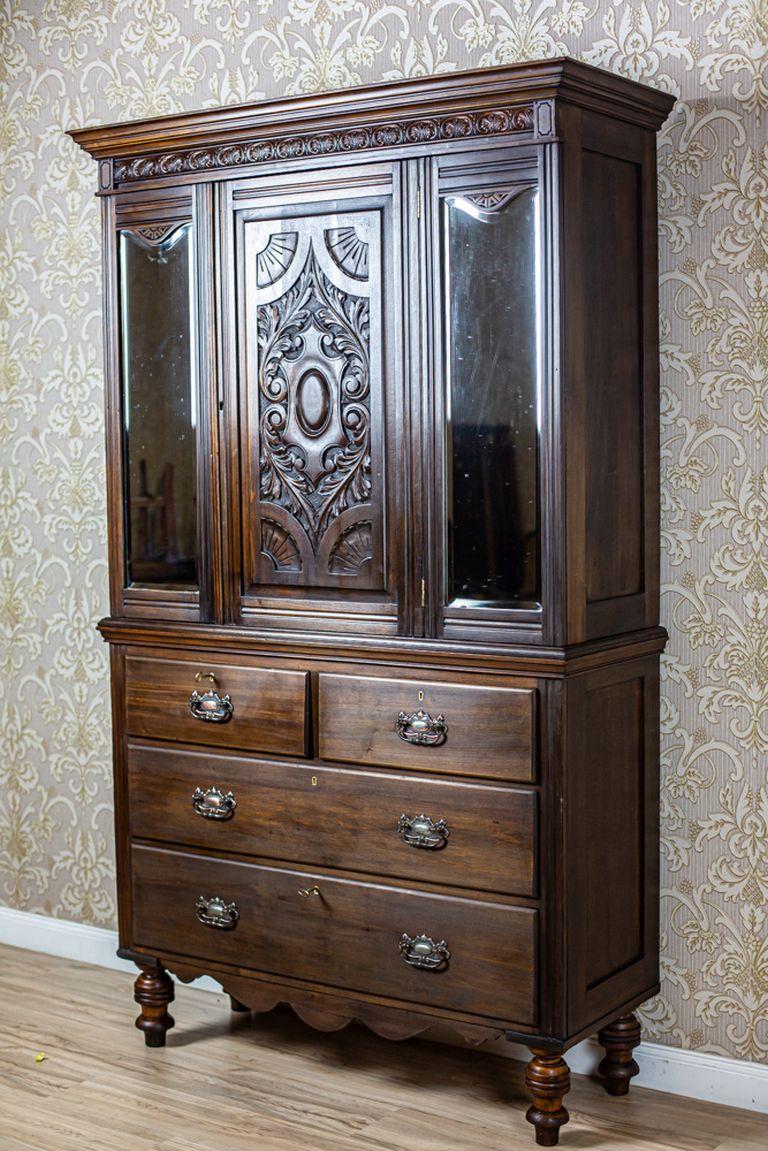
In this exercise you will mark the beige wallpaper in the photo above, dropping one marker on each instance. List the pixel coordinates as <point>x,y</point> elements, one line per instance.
<point>81,61</point>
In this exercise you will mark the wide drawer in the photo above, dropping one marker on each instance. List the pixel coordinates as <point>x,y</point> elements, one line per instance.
<point>480,731</point>
<point>348,936</point>
<point>269,707</point>
<point>480,836</point>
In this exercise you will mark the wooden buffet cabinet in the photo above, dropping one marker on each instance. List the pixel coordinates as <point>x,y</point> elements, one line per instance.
<point>382,436</point>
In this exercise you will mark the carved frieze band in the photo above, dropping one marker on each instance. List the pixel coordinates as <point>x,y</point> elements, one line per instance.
<point>500,121</point>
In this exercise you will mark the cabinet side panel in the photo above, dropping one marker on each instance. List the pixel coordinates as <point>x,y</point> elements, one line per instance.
<point>611,377</point>
<point>612,817</point>
<point>122,835</point>
<point>612,799</point>
<point>611,196</point>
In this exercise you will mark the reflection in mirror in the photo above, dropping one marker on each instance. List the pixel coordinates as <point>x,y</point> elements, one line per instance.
<point>159,409</point>
<point>492,361</point>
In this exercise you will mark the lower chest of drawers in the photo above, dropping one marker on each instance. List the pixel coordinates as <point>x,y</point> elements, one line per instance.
<point>388,849</point>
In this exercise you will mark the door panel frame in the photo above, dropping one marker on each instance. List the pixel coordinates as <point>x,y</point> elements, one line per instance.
<point>371,186</point>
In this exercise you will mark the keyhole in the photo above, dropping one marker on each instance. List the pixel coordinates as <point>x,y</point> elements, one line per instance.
<point>314,781</point>
<point>421,697</point>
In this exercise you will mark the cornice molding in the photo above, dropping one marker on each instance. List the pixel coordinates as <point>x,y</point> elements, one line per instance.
<point>514,98</point>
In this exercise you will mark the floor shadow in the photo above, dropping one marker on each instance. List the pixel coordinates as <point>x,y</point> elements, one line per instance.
<point>408,1062</point>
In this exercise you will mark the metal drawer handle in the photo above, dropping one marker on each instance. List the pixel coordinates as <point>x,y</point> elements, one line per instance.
<point>421,951</point>
<point>216,912</point>
<point>421,831</point>
<point>307,892</point>
<point>214,804</point>
<point>421,728</point>
<point>210,706</point>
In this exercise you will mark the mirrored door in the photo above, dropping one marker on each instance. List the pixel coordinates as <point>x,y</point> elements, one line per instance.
<point>160,407</point>
<point>163,492</point>
<point>487,237</point>
<point>491,364</point>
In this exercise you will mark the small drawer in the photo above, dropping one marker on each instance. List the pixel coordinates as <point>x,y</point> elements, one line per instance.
<point>457,729</point>
<point>405,826</point>
<point>252,708</point>
<point>362,937</point>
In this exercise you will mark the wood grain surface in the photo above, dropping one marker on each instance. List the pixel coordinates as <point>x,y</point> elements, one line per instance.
<point>338,817</point>
<point>347,935</point>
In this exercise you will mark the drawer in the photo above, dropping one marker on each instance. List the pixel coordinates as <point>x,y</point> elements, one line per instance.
<point>348,936</point>
<point>269,706</point>
<point>488,731</point>
<point>337,817</point>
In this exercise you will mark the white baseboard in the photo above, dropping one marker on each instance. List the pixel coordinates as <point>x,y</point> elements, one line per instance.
<point>67,940</point>
<point>694,1074</point>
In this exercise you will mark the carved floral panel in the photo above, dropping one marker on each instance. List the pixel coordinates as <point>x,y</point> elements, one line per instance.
<point>312,314</point>
<point>84,62</point>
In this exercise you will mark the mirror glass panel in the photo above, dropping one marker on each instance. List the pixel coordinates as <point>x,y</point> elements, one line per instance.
<point>159,409</point>
<point>492,353</point>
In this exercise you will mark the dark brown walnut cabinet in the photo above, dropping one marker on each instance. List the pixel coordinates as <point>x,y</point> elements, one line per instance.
<point>382,393</point>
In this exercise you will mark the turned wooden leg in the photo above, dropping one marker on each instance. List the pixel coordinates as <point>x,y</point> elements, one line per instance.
<point>547,1080</point>
<point>236,1005</point>
<point>619,1040</point>
<point>153,991</point>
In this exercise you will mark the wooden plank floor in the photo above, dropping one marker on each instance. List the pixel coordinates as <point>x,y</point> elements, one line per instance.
<point>268,1083</point>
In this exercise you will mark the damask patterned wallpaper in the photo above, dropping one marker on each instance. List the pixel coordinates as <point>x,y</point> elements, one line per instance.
<point>71,62</point>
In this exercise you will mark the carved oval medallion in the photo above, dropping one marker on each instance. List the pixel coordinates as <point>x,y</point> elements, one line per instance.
<point>313,403</point>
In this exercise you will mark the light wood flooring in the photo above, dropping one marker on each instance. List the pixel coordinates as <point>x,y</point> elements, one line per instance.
<point>268,1083</point>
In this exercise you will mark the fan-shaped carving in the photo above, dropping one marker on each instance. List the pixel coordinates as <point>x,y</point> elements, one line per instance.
<point>275,259</point>
<point>158,236</point>
<point>485,206</point>
<point>348,251</point>
<point>352,550</point>
<point>279,546</point>
<point>491,201</point>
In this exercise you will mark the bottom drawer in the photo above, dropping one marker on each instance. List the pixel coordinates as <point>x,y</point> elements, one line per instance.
<point>349,935</point>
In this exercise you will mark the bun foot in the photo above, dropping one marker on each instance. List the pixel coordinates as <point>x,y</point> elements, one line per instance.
<point>547,1080</point>
<point>153,991</point>
<point>618,1067</point>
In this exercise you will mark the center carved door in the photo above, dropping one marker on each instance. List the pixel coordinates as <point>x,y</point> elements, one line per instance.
<point>317,442</point>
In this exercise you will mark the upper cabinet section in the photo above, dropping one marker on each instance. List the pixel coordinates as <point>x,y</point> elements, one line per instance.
<point>383,364</point>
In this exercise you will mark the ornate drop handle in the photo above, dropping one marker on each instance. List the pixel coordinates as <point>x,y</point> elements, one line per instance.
<point>421,831</point>
<point>421,728</point>
<point>213,804</point>
<point>216,912</point>
<point>421,951</point>
<point>210,706</point>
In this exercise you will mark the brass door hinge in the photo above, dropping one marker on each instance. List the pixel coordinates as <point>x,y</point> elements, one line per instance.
<point>418,202</point>
<point>423,593</point>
